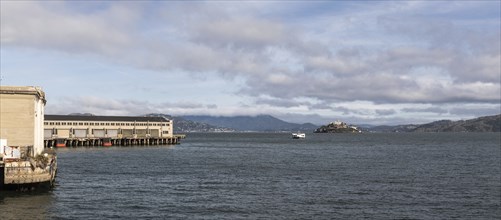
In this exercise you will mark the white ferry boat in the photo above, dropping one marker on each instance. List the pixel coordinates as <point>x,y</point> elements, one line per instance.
<point>298,135</point>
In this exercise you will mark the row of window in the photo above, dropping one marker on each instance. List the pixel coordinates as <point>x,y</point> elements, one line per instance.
<point>55,131</point>
<point>105,124</point>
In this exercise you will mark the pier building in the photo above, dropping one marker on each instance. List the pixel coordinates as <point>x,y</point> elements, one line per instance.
<point>91,130</point>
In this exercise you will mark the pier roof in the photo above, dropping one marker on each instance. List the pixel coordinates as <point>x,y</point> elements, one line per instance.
<point>103,118</point>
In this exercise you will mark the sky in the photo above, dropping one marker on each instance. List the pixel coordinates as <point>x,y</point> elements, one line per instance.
<point>362,62</point>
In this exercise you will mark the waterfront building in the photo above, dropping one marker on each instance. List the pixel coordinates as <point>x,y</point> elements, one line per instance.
<point>92,130</point>
<point>84,126</point>
<point>22,117</point>
<point>24,163</point>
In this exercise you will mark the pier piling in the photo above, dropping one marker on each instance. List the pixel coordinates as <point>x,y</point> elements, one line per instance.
<point>96,142</point>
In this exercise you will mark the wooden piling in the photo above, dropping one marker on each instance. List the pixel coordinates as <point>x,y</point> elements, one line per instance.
<point>94,142</point>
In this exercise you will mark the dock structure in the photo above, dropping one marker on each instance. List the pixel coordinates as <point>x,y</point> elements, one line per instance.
<point>91,130</point>
<point>95,142</point>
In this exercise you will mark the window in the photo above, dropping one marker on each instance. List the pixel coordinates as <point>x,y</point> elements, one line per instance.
<point>92,123</point>
<point>80,123</point>
<point>107,124</point>
<point>64,123</point>
<point>86,123</point>
<point>74,123</point>
<point>58,123</point>
<point>102,123</point>
<point>112,124</point>
<point>165,132</point>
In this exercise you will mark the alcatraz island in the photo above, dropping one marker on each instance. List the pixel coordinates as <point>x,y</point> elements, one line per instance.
<point>337,127</point>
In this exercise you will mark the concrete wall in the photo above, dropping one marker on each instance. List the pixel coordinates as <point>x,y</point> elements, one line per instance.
<point>38,122</point>
<point>22,116</point>
<point>167,131</point>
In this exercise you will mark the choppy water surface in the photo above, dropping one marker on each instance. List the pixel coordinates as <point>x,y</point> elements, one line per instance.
<point>271,176</point>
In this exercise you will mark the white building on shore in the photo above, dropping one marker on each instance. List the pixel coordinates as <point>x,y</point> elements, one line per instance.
<point>22,117</point>
<point>24,164</point>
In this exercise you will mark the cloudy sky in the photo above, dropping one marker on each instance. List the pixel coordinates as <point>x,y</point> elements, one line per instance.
<point>313,61</point>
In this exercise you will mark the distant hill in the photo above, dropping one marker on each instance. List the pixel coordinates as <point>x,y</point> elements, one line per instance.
<point>82,114</point>
<point>482,124</point>
<point>268,123</point>
<point>182,125</point>
<point>251,123</point>
<point>390,128</point>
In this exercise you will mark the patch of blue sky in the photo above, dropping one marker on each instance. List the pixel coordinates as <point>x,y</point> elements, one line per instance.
<point>85,7</point>
<point>464,10</point>
<point>65,75</point>
<point>296,11</point>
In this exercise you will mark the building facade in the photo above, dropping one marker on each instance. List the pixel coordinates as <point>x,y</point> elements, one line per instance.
<point>22,117</point>
<point>115,127</point>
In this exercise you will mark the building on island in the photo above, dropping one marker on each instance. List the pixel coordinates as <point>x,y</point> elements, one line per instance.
<point>24,163</point>
<point>337,127</point>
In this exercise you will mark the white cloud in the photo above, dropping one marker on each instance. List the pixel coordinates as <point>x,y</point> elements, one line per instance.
<point>398,53</point>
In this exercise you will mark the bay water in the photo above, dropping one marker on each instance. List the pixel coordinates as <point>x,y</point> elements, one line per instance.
<point>272,176</point>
